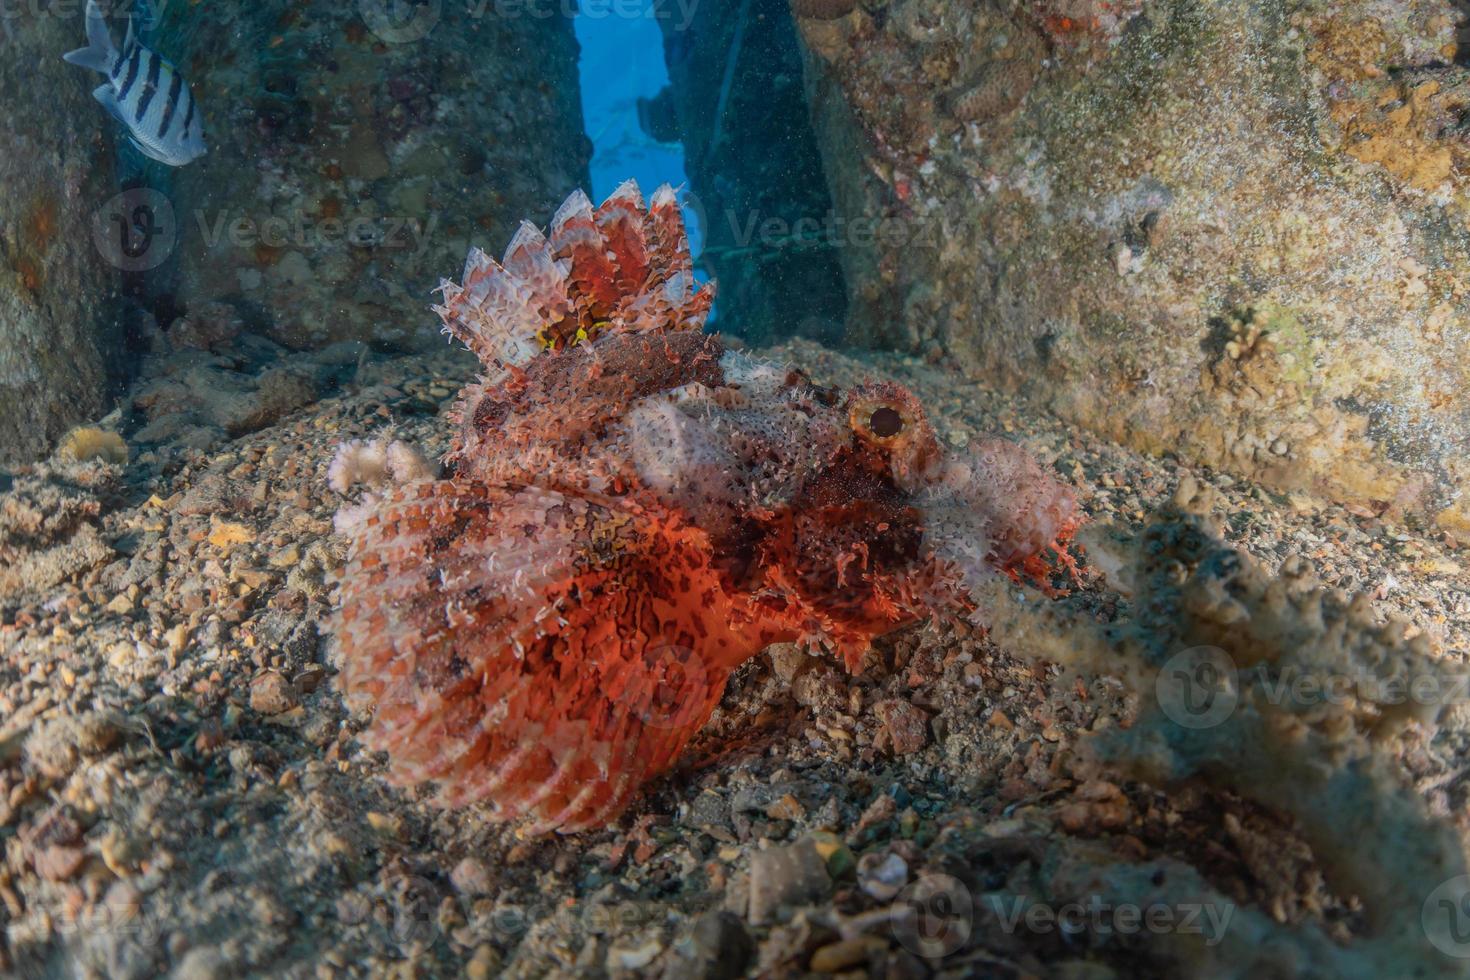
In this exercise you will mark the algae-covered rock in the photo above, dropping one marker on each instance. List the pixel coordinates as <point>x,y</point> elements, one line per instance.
<point>1237,231</point>
<point>358,150</point>
<point>58,327</point>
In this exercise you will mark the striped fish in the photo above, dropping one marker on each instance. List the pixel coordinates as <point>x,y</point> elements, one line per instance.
<point>144,92</point>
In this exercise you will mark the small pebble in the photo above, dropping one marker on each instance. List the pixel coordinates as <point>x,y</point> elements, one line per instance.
<point>785,876</point>
<point>271,694</point>
<point>846,954</point>
<point>882,875</point>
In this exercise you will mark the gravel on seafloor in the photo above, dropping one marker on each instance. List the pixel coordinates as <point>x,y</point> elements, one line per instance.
<point>182,790</point>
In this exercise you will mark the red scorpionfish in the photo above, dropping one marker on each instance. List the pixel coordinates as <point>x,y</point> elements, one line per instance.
<point>631,512</point>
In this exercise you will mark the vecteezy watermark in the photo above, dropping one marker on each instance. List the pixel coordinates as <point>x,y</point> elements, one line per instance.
<point>108,918</point>
<point>756,232</point>
<point>406,907</point>
<point>410,909</point>
<point>1198,687</point>
<point>1445,916</point>
<point>1304,688</point>
<point>119,10</point>
<point>308,233</point>
<point>136,230</point>
<point>938,916</point>
<point>674,690</point>
<point>1201,687</point>
<point>400,21</point>
<point>1096,916</point>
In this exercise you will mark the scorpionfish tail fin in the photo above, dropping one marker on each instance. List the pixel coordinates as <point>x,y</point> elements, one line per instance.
<point>542,653</point>
<point>617,267</point>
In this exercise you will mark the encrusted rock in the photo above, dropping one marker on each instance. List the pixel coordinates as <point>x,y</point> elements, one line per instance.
<point>905,726</point>
<point>376,150</point>
<point>271,693</point>
<point>60,331</point>
<point>785,876</point>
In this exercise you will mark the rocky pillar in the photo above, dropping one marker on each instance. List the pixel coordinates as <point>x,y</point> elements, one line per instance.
<point>1232,230</point>
<point>358,149</point>
<point>736,102</point>
<point>59,332</point>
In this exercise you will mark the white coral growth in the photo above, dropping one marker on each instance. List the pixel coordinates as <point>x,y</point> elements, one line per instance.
<point>377,463</point>
<point>374,464</point>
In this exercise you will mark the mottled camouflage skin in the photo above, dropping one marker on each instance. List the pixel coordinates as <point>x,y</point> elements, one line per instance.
<point>632,511</point>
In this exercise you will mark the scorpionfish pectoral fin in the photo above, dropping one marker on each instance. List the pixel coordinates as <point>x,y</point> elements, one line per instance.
<point>543,652</point>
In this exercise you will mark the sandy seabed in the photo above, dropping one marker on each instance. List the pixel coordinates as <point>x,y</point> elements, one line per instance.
<point>182,791</point>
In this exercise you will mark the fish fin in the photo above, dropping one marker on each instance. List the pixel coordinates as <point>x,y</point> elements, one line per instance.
<point>89,57</point>
<point>100,51</point>
<point>108,100</point>
<point>614,268</point>
<point>544,652</point>
<point>149,151</point>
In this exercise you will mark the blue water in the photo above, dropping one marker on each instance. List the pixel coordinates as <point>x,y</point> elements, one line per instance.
<point>623,59</point>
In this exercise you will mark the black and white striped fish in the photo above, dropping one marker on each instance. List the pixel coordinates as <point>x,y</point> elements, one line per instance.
<point>144,92</point>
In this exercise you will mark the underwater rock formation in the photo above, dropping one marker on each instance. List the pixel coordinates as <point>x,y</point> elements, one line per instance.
<point>228,385</point>
<point>1236,231</point>
<point>735,101</point>
<point>354,157</point>
<point>58,322</point>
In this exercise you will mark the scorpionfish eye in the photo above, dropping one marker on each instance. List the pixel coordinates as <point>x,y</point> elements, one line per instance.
<point>885,421</point>
<point>886,417</point>
<point>883,415</point>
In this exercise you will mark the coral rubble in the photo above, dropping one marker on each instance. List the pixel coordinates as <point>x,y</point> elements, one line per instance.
<point>176,760</point>
<point>1313,693</point>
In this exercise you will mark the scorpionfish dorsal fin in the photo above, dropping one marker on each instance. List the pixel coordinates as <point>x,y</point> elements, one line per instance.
<point>614,268</point>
